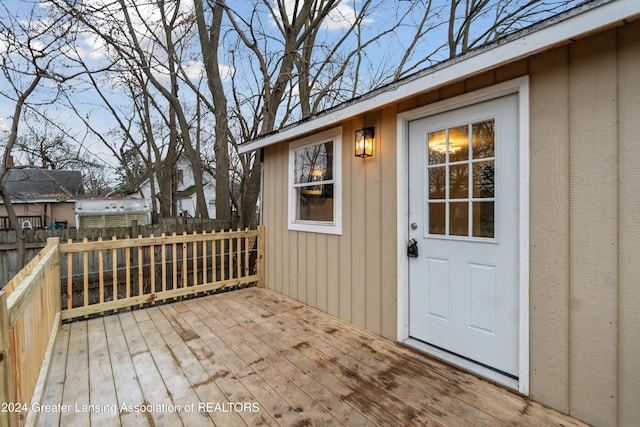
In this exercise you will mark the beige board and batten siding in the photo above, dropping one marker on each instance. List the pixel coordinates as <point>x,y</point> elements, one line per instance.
<point>353,275</point>
<point>584,225</point>
<point>585,232</point>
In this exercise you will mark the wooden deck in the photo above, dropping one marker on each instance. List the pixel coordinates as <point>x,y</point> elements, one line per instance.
<point>254,357</point>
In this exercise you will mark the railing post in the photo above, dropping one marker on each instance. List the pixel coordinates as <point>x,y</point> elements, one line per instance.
<point>57,273</point>
<point>6,374</point>
<point>261,246</point>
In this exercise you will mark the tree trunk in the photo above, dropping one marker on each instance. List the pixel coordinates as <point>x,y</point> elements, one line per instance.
<point>209,45</point>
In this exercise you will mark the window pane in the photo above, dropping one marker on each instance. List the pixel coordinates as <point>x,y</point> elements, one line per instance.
<point>315,203</point>
<point>483,179</point>
<point>314,163</point>
<point>459,181</point>
<point>437,147</point>
<point>459,143</point>
<point>483,219</point>
<point>437,182</point>
<point>436,218</point>
<point>459,219</point>
<point>483,139</point>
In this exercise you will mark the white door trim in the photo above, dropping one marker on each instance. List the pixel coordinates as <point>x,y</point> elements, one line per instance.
<point>521,87</point>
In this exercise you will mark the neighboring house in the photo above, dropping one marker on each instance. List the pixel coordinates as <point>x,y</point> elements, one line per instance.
<point>513,170</point>
<point>42,197</point>
<point>186,196</point>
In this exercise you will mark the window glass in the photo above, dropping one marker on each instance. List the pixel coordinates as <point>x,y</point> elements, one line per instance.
<point>437,182</point>
<point>437,142</point>
<point>461,180</point>
<point>313,177</point>
<point>483,219</point>
<point>483,139</point>
<point>459,143</point>
<point>314,163</point>
<point>437,221</point>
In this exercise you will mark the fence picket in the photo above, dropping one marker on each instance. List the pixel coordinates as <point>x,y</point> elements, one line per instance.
<point>194,257</point>
<point>114,256</point>
<point>152,268</point>
<point>127,273</point>
<point>174,263</point>
<point>70,280</point>
<point>184,261</point>
<point>205,273</point>
<point>164,266</point>
<point>101,272</point>
<point>85,272</point>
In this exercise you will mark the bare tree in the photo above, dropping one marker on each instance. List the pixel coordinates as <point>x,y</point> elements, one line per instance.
<point>468,24</point>
<point>31,45</point>
<point>144,44</point>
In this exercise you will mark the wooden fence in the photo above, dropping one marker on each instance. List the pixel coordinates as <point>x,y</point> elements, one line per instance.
<point>29,321</point>
<point>59,284</point>
<point>141,271</point>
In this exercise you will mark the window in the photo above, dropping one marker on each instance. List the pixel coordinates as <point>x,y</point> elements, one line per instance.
<point>461,164</point>
<point>315,183</point>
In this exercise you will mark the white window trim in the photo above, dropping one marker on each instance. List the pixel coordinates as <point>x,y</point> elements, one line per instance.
<point>335,226</point>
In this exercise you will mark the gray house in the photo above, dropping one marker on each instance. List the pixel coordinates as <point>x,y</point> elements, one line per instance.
<point>42,196</point>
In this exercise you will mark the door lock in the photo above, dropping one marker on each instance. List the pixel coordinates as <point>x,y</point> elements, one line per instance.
<point>412,249</point>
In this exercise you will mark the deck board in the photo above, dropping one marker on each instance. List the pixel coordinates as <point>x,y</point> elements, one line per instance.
<point>125,379</point>
<point>289,364</point>
<point>102,391</point>
<point>55,385</point>
<point>76,384</point>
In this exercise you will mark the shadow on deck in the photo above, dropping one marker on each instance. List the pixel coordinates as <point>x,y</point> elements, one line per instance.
<point>255,357</point>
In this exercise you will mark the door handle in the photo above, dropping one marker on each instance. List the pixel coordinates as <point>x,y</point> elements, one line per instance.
<point>412,249</point>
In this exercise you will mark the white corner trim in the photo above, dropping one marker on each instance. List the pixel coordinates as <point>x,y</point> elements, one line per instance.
<point>523,235</point>
<point>518,86</point>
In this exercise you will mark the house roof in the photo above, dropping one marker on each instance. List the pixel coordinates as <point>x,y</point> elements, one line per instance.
<point>589,18</point>
<point>29,185</point>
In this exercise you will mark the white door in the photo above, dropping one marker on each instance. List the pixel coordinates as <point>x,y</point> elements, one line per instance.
<point>463,214</point>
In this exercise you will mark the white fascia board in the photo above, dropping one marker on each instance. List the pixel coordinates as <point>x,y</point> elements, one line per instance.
<point>511,49</point>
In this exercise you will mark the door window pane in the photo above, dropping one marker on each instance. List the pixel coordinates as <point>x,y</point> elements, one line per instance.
<point>483,219</point>
<point>437,223</point>
<point>483,139</point>
<point>459,219</point>
<point>459,144</point>
<point>437,147</point>
<point>483,179</point>
<point>459,181</point>
<point>437,182</point>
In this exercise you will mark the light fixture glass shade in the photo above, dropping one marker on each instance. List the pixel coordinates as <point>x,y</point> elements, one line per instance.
<point>364,142</point>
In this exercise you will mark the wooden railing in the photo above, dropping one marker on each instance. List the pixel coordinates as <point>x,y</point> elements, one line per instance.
<point>29,321</point>
<point>108,275</point>
<point>80,279</point>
